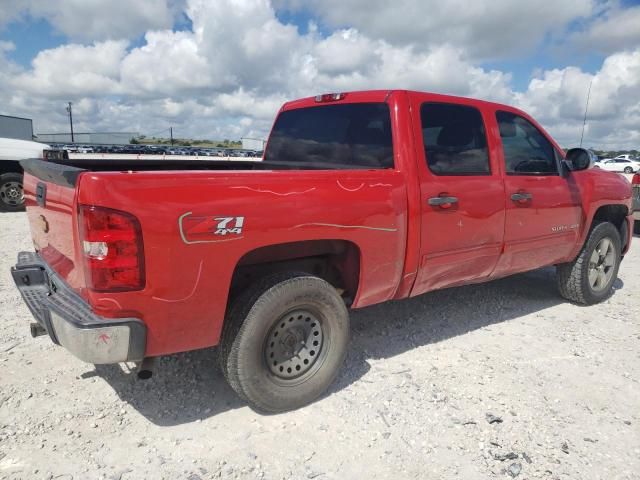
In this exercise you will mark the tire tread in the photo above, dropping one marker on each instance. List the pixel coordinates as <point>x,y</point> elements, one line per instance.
<point>571,277</point>
<point>230,354</point>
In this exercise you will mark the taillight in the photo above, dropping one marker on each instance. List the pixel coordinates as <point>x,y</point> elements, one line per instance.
<point>329,97</point>
<point>112,249</point>
<point>636,179</point>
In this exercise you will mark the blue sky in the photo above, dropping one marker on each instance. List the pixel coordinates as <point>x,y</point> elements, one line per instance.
<point>229,64</point>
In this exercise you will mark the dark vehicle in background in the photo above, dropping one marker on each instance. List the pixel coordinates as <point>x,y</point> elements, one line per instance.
<point>156,149</point>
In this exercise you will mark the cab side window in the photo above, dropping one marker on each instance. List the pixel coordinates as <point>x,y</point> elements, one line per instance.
<point>454,139</point>
<point>526,150</point>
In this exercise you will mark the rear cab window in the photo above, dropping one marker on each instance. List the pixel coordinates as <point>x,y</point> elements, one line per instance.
<point>454,139</point>
<point>344,136</point>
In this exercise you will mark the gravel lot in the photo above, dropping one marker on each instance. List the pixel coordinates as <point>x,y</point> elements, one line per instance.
<point>490,381</point>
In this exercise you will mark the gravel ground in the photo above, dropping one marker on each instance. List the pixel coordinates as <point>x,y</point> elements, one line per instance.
<point>490,381</point>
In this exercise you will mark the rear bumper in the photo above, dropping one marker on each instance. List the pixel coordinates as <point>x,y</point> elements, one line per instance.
<point>69,320</point>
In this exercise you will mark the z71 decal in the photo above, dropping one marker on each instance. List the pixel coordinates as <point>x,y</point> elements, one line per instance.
<point>209,228</point>
<point>229,225</point>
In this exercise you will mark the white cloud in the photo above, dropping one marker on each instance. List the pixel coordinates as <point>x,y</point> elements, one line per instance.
<point>169,63</point>
<point>93,19</point>
<point>616,29</point>
<point>74,70</point>
<point>227,77</point>
<point>484,29</point>
<point>345,52</point>
<point>557,98</point>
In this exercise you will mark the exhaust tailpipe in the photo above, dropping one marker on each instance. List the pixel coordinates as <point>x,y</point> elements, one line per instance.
<point>37,330</point>
<point>146,367</point>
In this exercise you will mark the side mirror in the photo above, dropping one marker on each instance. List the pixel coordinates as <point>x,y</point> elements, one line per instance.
<point>580,159</point>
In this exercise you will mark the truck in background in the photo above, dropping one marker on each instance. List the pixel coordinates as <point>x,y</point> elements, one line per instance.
<point>11,152</point>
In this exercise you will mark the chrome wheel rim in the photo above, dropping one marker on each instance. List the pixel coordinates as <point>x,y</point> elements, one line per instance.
<point>11,193</point>
<point>601,265</point>
<point>295,345</point>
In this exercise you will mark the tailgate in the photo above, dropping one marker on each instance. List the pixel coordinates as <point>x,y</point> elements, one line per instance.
<point>50,192</point>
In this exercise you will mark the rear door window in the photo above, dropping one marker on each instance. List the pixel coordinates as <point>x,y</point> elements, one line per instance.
<point>353,135</point>
<point>526,150</point>
<point>454,139</point>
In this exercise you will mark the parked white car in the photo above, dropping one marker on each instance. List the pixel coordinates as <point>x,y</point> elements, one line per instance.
<point>619,165</point>
<point>625,156</point>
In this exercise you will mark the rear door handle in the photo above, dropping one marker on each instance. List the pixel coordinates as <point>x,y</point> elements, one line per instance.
<point>521,197</point>
<point>443,202</point>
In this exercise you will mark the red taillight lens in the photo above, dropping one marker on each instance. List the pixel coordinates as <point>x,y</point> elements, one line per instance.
<point>112,247</point>
<point>636,179</point>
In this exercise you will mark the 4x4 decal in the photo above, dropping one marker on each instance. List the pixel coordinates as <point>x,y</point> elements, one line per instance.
<point>209,228</point>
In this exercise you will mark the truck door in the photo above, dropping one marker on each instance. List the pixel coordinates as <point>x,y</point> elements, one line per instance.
<point>543,208</point>
<point>462,194</point>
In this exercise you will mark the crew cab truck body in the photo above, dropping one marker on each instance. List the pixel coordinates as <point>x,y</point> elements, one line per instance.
<point>361,198</point>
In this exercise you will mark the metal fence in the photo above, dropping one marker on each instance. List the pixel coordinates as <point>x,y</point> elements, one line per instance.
<point>103,138</point>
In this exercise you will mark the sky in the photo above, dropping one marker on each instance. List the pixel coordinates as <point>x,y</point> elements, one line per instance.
<point>220,69</point>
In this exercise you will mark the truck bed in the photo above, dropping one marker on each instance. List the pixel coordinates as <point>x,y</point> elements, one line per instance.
<point>106,162</point>
<point>187,262</point>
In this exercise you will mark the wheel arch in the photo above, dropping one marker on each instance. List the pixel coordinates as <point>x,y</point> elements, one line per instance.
<point>10,166</point>
<point>615,214</point>
<point>337,261</point>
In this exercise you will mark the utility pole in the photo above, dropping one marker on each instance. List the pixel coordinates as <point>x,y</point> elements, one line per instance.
<point>71,121</point>
<point>586,107</point>
<point>171,133</point>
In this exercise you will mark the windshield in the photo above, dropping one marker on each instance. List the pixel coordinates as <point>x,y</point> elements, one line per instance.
<point>355,135</point>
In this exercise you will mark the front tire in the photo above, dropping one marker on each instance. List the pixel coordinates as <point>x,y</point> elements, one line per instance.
<point>589,278</point>
<point>284,341</point>
<point>11,192</point>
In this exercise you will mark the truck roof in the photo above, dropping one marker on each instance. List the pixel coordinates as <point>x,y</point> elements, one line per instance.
<point>382,95</point>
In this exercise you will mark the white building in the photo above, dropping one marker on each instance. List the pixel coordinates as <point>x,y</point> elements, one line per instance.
<point>253,143</point>
<point>16,127</point>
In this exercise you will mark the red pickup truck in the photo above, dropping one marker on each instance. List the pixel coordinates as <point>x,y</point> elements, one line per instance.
<point>360,198</point>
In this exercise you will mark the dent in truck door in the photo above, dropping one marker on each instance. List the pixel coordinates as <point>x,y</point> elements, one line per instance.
<point>461,194</point>
<point>543,208</point>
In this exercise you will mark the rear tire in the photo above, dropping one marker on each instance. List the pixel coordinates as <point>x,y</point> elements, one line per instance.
<point>284,341</point>
<point>628,170</point>
<point>589,278</point>
<point>11,192</point>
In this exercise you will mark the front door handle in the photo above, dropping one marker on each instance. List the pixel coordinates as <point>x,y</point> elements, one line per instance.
<point>442,202</point>
<point>521,197</point>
